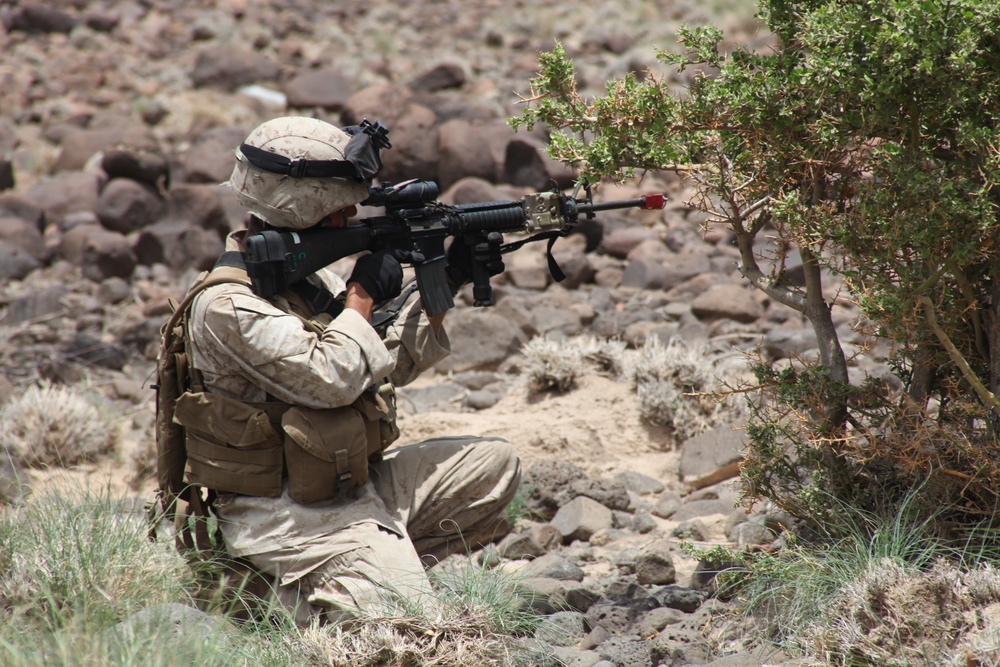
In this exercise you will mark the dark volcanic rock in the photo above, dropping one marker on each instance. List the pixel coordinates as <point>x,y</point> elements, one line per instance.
<point>15,261</point>
<point>439,77</point>
<point>147,165</point>
<point>544,482</point>
<point>325,88</point>
<point>99,252</point>
<point>37,17</point>
<point>126,205</point>
<point>229,68</point>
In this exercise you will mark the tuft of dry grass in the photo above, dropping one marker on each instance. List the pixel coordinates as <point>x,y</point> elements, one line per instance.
<point>473,616</point>
<point>453,641</point>
<point>556,365</point>
<point>55,425</point>
<point>143,461</point>
<point>898,615</point>
<point>678,386</point>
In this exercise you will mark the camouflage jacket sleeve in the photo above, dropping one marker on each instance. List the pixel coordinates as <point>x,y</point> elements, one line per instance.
<point>247,348</point>
<point>411,340</point>
<point>414,344</point>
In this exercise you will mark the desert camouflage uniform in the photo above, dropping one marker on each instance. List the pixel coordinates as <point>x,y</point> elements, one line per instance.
<point>422,499</point>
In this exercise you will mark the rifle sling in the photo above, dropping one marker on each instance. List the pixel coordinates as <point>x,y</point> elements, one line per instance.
<point>552,235</point>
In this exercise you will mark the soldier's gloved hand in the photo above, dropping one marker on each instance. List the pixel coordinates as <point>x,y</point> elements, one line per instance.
<point>380,274</point>
<point>458,263</point>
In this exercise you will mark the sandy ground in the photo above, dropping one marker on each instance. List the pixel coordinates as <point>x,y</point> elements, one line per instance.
<point>595,426</point>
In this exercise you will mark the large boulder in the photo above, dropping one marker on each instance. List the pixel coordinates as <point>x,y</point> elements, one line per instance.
<point>18,205</point>
<point>126,205</point>
<point>468,149</point>
<point>471,190</point>
<point>527,163</point>
<point>439,77</point>
<point>78,146</point>
<point>382,102</point>
<point>145,164</point>
<point>727,301</point>
<point>230,68</point>
<point>705,454</point>
<point>546,483</point>
<point>39,18</point>
<point>581,518</point>
<point>211,157</point>
<point>65,194</point>
<point>15,262</point>
<point>179,244</point>
<point>415,152</point>
<point>201,205</point>
<point>480,340</point>
<point>24,235</point>
<point>325,88</point>
<point>100,253</point>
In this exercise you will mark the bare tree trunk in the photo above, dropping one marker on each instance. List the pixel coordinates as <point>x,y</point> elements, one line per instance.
<point>813,305</point>
<point>818,311</point>
<point>831,353</point>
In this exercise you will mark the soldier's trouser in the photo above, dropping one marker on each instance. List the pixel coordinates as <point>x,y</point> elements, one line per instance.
<point>447,493</point>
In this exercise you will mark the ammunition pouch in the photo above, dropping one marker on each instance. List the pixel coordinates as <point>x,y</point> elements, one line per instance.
<point>232,446</point>
<point>328,451</point>
<point>252,448</point>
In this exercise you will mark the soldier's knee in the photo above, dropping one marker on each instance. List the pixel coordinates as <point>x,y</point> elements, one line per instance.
<point>500,455</point>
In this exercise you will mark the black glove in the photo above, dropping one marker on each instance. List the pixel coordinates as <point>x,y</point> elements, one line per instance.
<point>458,261</point>
<point>461,255</point>
<point>380,274</point>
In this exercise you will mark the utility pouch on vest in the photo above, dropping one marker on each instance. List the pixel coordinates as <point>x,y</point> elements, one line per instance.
<point>326,452</point>
<point>232,446</point>
<point>379,409</point>
<point>171,379</point>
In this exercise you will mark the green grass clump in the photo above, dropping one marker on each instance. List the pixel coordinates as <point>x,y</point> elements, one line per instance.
<point>875,590</point>
<point>77,575</point>
<point>82,585</point>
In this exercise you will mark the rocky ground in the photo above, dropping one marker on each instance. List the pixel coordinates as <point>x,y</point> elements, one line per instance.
<point>118,121</point>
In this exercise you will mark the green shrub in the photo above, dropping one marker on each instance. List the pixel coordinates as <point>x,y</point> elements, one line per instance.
<point>865,138</point>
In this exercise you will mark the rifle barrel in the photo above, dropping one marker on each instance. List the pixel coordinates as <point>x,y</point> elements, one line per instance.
<point>645,202</point>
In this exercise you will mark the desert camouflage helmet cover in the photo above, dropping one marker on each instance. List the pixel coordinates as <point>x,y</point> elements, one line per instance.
<point>287,200</point>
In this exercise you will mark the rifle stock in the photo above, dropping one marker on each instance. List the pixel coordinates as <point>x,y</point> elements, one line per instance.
<point>415,228</point>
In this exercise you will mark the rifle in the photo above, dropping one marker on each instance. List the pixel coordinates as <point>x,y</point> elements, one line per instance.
<point>415,227</point>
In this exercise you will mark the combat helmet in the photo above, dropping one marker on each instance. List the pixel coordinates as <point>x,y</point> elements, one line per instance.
<point>293,171</point>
